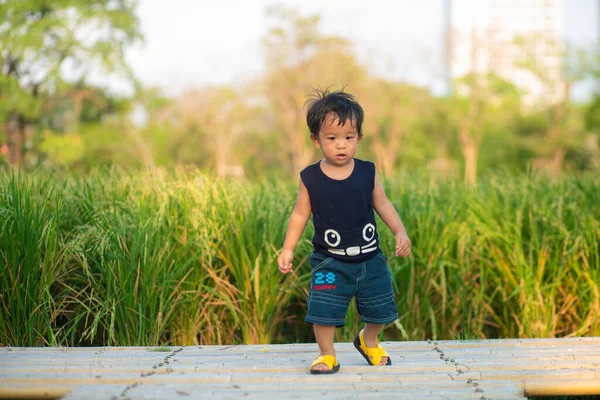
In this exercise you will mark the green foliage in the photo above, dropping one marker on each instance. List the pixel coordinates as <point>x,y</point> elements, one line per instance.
<point>259,126</point>
<point>173,258</point>
<point>33,257</point>
<point>104,144</point>
<point>251,228</point>
<point>130,272</point>
<point>592,116</point>
<point>47,34</point>
<point>63,150</point>
<point>40,40</point>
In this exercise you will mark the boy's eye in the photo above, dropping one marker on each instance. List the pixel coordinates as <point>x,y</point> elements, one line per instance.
<point>349,137</point>
<point>331,138</point>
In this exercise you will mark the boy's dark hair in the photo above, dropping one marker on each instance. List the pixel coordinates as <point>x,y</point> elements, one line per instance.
<point>343,104</point>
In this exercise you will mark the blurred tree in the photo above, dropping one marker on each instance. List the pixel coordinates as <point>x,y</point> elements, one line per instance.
<point>534,53</point>
<point>79,103</point>
<point>393,111</point>
<point>220,113</point>
<point>41,41</point>
<point>79,94</point>
<point>437,125</point>
<point>201,127</point>
<point>483,104</point>
<point>155,115</point>
<point>592,116</point>
<point>503,110</point>
<point>64,119</point>
<point>63,150</point>
<point>300,58</point>
<point>470,110</point>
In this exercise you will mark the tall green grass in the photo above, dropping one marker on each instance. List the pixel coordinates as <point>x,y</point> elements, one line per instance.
<point>172,258</point>
<point>253,224</point>
<point>131,264</point>
<point>33,260</point>
<point>512,257</point>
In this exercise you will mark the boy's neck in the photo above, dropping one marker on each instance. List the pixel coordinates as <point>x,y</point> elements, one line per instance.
<point>337,172</point>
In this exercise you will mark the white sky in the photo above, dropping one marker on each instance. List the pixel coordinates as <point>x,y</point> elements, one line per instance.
<point>192,43</point>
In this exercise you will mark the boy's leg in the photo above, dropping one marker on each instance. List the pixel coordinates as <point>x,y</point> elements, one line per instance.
<point>375,301</point>
<point>370,335</point>
<point>324,335</point>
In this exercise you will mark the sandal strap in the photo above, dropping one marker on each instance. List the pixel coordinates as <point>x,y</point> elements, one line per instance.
<point>328,360</point>
<point>375,353</point>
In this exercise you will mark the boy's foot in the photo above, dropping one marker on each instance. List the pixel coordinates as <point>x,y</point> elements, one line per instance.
<point>375,355</point>
<point>325,364</point>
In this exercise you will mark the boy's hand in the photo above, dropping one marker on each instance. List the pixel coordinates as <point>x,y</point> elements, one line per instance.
<point>402,244</point>
<point>284,261</point>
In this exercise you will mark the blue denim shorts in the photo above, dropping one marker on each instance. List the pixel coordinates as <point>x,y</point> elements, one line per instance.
<point>334,283</point>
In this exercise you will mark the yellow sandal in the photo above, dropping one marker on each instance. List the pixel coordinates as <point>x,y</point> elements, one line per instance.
<point>328,360</point>
<point>373,355</point>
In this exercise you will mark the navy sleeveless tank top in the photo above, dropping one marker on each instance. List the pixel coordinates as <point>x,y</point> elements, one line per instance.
<point>343,214</point>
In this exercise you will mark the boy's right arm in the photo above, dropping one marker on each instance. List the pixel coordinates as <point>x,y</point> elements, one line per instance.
<point>296,226</point>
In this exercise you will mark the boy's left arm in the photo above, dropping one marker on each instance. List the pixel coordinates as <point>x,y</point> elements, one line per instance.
<point>388,214</point>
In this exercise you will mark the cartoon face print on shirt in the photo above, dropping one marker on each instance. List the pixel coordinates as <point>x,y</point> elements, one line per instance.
<point>333,239</point>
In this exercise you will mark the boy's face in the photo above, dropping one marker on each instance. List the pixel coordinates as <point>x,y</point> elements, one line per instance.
<point>337,142</point>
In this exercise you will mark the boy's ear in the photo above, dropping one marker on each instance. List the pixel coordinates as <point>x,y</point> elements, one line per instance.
<point>315,141</point>
<point>359,139</point>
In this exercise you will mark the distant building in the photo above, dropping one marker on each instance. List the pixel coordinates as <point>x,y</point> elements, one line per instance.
<point>482,38</point>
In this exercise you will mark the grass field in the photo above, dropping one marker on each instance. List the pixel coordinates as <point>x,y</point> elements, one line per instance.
<point>173,258</point>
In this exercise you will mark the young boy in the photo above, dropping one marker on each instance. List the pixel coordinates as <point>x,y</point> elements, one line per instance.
<point>342,193</point>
